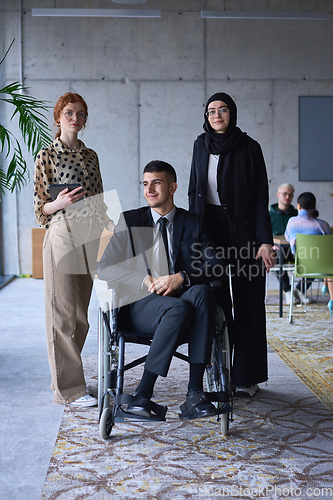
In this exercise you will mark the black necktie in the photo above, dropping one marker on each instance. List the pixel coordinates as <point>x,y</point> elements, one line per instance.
<point>163,222</point>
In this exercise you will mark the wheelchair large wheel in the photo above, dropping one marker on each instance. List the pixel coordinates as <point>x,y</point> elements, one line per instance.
<point>106,423</point>
<point>103,356</point>
<point>218,372</point>
<point>214,384</point>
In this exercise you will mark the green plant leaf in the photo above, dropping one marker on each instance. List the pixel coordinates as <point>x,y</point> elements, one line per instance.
<point>4,140</point>
<point>34,130</point>
<point>17,174</point>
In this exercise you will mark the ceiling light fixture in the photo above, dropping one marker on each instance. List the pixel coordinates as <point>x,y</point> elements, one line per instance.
<point>95,13</point>
<point>225,14</point>
<point>131,2</point>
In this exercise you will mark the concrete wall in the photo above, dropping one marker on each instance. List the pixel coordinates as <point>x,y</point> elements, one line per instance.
<point>146,82</point>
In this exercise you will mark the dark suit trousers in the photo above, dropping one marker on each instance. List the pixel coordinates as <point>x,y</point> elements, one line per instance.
<point>173,321</point>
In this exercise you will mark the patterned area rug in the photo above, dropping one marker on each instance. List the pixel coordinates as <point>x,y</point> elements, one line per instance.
<point>306,345</point>
<point>280,443</point>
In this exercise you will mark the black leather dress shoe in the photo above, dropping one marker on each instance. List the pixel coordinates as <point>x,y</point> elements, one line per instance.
<point>196,406</point>
<point>140,405</point>
<point>202,410</point>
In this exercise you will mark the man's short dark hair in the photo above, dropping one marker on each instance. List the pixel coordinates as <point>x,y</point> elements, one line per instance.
<point>161,166</point>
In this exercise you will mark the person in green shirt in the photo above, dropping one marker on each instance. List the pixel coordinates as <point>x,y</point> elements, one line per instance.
<point>280,213</point>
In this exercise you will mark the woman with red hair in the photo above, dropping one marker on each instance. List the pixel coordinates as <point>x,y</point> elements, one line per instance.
<point>68,201</point>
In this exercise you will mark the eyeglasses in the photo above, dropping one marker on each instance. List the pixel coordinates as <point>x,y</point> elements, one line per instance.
<point>221,112</point>
<point>69,115</point>
<point>287,194</point>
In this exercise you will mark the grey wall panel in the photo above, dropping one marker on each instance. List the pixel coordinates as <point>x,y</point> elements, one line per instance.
<point>316,138</point>
<point>146,82</point>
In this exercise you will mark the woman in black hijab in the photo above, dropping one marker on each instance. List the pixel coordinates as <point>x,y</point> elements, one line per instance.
<point>229,188</point>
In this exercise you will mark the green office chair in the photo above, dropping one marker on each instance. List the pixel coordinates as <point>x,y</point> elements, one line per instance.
<point>313,259</point>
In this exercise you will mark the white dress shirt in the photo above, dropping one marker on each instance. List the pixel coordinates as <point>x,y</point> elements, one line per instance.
<point>212,194</point>
<point>157,238</point>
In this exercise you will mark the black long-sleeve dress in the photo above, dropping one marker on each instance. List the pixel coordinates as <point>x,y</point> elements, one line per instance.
<point>239,225</point>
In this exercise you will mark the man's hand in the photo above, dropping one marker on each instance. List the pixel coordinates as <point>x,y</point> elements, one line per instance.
<point>164,285</point>
<point>267,254</point>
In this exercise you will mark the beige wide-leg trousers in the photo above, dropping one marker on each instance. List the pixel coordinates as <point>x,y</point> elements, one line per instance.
<point>69,259</point>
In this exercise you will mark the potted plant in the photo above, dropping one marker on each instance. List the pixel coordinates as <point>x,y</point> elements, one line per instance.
<point>34,132</point>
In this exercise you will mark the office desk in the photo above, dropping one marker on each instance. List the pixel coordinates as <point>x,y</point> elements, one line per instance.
<point>281,241</point>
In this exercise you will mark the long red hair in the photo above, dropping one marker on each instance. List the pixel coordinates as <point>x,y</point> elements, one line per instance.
<point>62,102</point>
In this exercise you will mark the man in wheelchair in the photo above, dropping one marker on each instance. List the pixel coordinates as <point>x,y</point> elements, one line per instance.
<point>162,258</point>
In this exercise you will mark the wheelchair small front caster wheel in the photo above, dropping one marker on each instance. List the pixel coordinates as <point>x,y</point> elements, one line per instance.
<point>106,423</point>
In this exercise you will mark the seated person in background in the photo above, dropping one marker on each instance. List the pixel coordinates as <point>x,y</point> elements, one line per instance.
<point>280,213</point>
<point>306,222</point>
<point>171,303</point>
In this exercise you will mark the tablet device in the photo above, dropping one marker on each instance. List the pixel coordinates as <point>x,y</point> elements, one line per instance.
<point>56,188</point>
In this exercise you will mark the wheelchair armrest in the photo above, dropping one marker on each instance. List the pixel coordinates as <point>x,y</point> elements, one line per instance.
<point>112,285</point>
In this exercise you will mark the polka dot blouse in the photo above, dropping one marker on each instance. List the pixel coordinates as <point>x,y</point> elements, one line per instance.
<point>57,164</point>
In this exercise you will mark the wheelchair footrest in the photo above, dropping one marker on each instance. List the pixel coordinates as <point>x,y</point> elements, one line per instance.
<point>158,411</point>
<point>122,415</point>
<point>222,399</point>
<point>217,397</point>
<point>225,408</point>
<point>198,405</point>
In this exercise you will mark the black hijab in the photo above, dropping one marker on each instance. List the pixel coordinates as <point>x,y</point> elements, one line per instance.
<point>233,137</point>
<point>234,170</point>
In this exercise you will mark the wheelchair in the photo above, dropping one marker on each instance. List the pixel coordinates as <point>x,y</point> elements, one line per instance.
<point>112,340</point>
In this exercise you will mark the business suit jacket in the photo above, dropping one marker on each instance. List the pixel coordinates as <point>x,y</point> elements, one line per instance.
<point>127,258</point>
